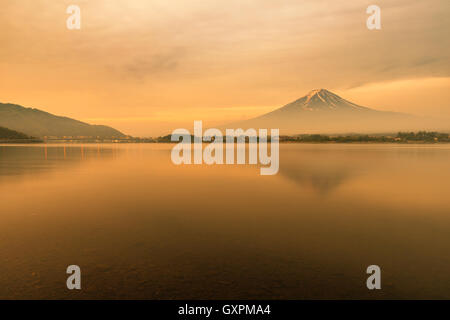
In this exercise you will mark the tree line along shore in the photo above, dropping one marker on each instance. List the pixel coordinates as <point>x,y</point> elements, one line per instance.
<point>400,137</point>
<point>425,137</point>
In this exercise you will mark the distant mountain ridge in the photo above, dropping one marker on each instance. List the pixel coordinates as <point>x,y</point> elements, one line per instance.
<point>321,111</point>
<point>38,123</point>
<point>7,134</point>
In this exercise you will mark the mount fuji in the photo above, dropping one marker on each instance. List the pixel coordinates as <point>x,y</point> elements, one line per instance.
<point>321,111</point>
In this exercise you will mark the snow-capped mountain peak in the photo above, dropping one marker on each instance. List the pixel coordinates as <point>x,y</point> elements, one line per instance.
<point>322,99</point>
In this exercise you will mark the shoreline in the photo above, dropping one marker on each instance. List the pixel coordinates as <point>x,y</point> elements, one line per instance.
<point>281,142</point>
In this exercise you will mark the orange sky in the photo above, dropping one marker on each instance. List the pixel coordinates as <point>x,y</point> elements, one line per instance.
<point>149,66</point>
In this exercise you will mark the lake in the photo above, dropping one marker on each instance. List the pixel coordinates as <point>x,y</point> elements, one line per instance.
<point>141,227</point>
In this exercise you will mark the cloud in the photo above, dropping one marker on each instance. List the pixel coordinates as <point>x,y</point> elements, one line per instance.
<point>155,65</point>
<point>139,57</point>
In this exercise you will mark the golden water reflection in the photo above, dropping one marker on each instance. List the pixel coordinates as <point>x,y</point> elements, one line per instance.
<point>141,227</point>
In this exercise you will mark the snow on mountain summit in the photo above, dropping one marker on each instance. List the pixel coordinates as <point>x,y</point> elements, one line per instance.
<point>321,99</point>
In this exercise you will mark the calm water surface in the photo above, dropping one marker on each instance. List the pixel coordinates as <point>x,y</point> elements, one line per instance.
<point>141,227</point>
